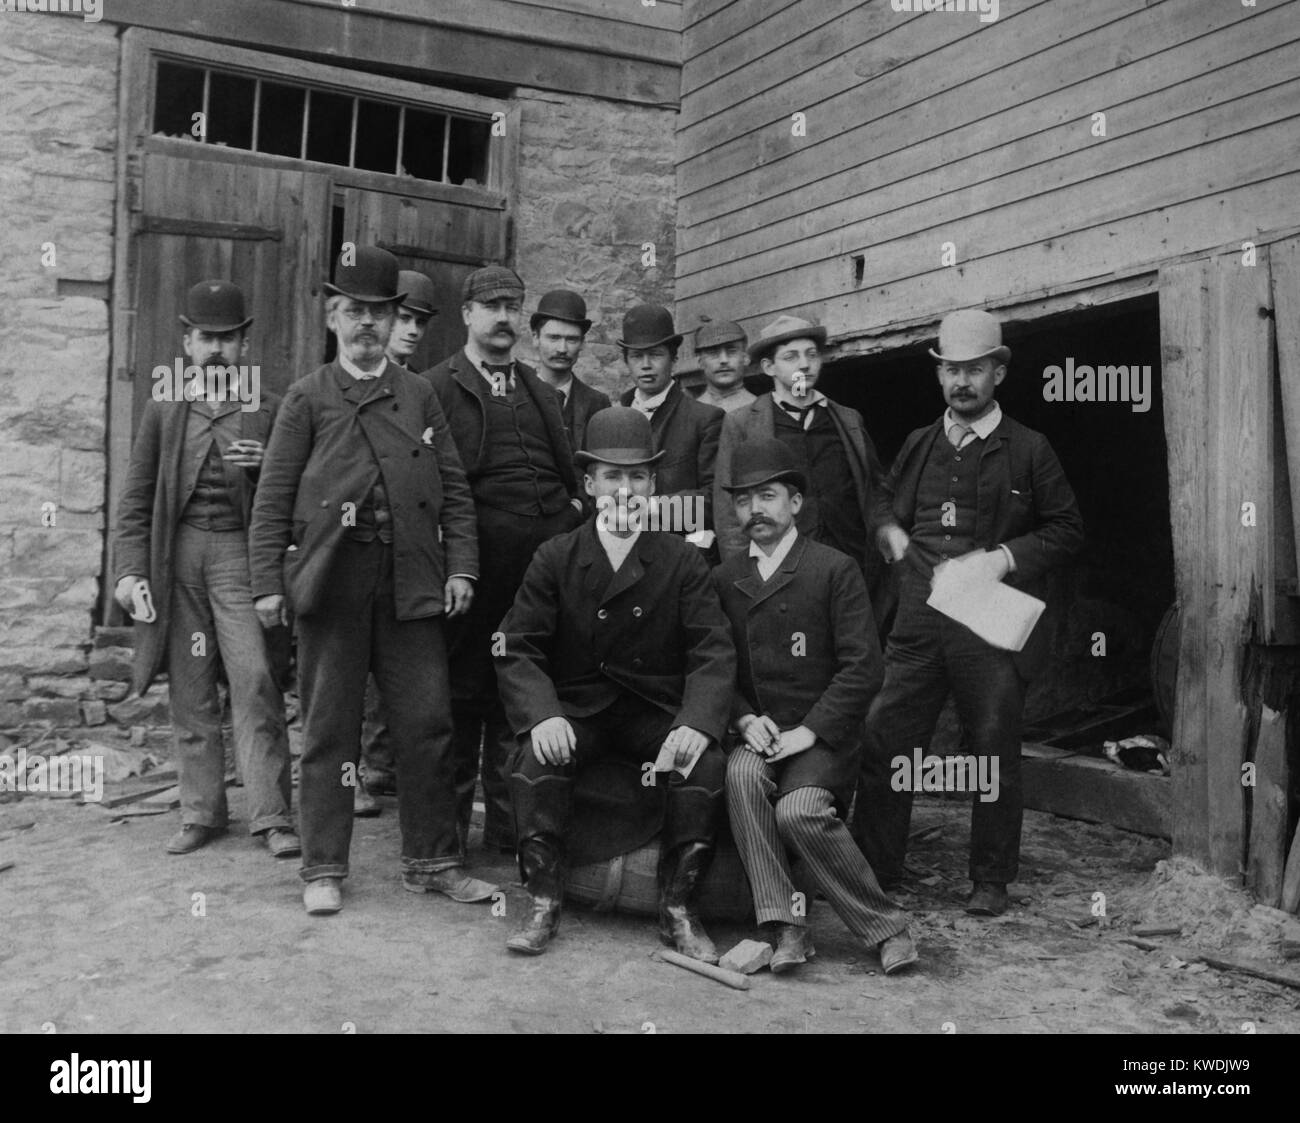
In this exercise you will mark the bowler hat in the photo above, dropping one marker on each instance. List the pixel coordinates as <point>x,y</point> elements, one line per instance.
<point>561,304</point>
<point>763,460</point>
<point>968,335</point>
<point>710,334</point>
<point>419,292</point>
<point>215,306</point>
<point>371,276</point>
<point>784,328</point>
<point>648,325</point>
<point>618,435</point>
<point>490,283</point>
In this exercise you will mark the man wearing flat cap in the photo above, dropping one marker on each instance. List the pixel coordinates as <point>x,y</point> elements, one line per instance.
<point>828,442</point>
<point>182,544</point>
<point>978,491</point>
<point>559,327</point>
<point>809,664</point>
<point>616,652</point>
<point>364,528</point>
<point>509,431</point>
<point>720,347</point>
<point>684,430</point>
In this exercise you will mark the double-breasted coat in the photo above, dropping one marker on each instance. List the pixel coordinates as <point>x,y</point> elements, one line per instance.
<point>331,438</point>
<point>149,511</point>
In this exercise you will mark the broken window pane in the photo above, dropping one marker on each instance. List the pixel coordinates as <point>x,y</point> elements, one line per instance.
<point>279,120</point>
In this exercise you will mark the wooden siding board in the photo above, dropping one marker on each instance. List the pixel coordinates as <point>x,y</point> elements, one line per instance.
<point>1284,264</point>
<point>1268,819</point>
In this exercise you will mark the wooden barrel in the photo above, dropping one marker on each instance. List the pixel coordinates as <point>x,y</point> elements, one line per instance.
<point>630,883</point>
<point>1164,668</point>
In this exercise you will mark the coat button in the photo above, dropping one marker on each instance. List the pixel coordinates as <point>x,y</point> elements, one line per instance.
<point>954,479</point>
<point>395,410</point>
<point>636,611</point>
<point>423,504</point>
<point>602,615</point>
<point>324,503</point>
<point>415,452</point>
<point>636,662</point>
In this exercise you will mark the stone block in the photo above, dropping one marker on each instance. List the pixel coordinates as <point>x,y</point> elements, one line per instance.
<point>11,715</point>
<point>114,637</point>
<point>81,480</point>
<point>94,712</point>
<point>60,711</point>
<point>60,686</point>
<point>110,691</point>
<point>41,660</point>
<point>13,687</point>
<point>747,957</point>
<point>140,710</point>
<point>112,663</point>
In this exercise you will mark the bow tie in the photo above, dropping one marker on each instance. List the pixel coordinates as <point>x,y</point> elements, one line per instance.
<point>500,374</point>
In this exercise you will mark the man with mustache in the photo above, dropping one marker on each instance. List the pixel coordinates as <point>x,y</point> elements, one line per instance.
<point>828,441</point>
<point>809,663</point>
<point>559,327</point>
<point>979,486</point>
<point>182,537</point>
<point>509,431</point>
<point>364,527</point>
<point>720,347</point>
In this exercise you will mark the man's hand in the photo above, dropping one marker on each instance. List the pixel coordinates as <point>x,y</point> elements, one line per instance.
<point>893,542</point>
<point>457,596</point>
<point>687,744</point>
<point>270,611</point>
<point>245,454</point>
<point>792,742</point>
<point>553,741</point>
<point>122,590</point>
<point>760,733</point>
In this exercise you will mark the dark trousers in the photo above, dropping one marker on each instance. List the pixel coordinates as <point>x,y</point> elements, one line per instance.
<point>354,633</point>
<point>633,729</point>
<point>927,657</point>
<point>506,544</point>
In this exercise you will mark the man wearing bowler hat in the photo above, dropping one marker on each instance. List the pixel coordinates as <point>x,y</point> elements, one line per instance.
<point>683,429</point>
<point>976,486</point>
<point>509,431</point>
<point>720,347</point>
<point>616,650</point>
<point>809,664</point>
<point>364,525</point>
<point>828,442</point>
<point>182,539</point>
<point>559,327</point>
<point>413,317</point>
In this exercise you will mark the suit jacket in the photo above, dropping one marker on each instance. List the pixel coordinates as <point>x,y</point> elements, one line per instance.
<point>657,630</point>
<point>807,655</point>
<point>332,434</point>
<point>1023,501</point>
<point>461,391</point>
<point>149,512</point>
<point>584,401</point>
<point>687,432</point>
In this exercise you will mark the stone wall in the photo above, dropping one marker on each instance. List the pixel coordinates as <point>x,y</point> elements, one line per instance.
<point>595,182</point>
<point>58,134</point>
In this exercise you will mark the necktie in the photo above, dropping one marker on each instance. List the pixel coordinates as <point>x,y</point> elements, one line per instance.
<point>800,414</point>
<point>501,375</point>
<point>957,435</point>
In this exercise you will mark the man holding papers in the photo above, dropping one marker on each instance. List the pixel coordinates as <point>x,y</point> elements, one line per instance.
<point>973,499</point>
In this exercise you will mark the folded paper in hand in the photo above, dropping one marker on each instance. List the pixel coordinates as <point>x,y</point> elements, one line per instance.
<point>995,612</point>
<point>664,762</point>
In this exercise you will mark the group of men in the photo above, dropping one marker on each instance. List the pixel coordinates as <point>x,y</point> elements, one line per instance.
<point>465,558</point>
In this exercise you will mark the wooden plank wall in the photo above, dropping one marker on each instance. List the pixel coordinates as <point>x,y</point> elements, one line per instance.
<point>931,128</point>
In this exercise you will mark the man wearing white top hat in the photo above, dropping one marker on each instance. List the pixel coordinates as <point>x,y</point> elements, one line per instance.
<point>975,485</point>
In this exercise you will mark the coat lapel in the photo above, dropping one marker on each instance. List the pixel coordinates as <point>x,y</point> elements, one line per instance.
<point>758,590</point>
<point>630,572</point>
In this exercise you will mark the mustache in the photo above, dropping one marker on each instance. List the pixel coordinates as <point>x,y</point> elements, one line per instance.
<point>759,520</point>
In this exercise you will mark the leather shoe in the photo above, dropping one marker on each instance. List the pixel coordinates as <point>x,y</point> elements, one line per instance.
<point>988,898</point>
<point>453,883</point>
<point>190,837</point>
<point>380,783</point>
<point>323,896</point>
<point>793,946</point>
<point>897,952</point>
<point>364,805</point>
<point>539,929</point>
<point>282,843</point>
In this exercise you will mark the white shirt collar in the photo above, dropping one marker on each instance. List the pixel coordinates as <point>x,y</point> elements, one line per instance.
<point>565,388</point>
<point>768,564</point>
<point>616,548</point>
<point>813,397</point>
<point>981,428</point>
<point>641,402</point>
<point>359,374</point>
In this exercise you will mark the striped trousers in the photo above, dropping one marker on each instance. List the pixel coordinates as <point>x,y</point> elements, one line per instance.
<point>803,820</point>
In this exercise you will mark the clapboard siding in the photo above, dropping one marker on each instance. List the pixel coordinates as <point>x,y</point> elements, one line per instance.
<point>979,135</point>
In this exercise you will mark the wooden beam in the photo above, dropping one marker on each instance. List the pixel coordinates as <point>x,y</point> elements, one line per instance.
<point>239,231</point>
<point>1284,266</point>
<point>1268,813</point>
<point>1097,791</point>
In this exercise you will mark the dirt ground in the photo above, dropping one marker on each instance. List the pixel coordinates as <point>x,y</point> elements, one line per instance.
<point>100,931</point>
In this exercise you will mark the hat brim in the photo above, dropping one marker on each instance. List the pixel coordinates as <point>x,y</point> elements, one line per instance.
<point>494,294</point>
<point>539,318</point>
<point>1002,354</point>
<point>646,344</point>
<point>423,309</point>
<point>364,297</point>
<point>759,348</point>
<point>715,343</point>
<point>793,477</point>
<point>622,457</point>
<point>215,329</point>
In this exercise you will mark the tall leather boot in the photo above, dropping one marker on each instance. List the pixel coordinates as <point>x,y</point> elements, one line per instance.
<point>680,872</point>
<point>539,860</point>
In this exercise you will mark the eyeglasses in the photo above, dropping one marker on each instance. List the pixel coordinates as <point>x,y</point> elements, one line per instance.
<point>374,311</point>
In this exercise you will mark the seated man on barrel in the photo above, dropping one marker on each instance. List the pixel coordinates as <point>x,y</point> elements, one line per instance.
<point>616,647</point>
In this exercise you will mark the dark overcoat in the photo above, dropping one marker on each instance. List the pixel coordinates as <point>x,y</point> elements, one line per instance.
<point>584,401</point>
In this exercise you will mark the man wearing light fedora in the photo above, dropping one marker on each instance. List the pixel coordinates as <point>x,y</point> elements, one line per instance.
<point>809,664</point>
<point>182,536</point>
<point>720,347</point>
<point>559,327</point>
<point>684,430</point>
<point>974,485</point>
<point>616,651</point>
<point>828,442</point>
<point>509,431</point>
<point>364,528</point>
